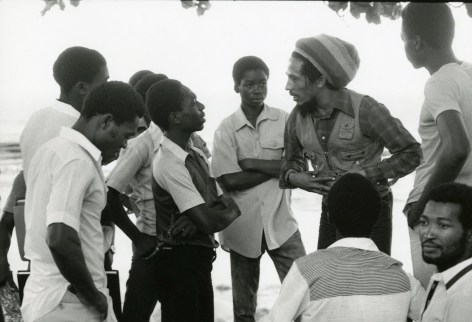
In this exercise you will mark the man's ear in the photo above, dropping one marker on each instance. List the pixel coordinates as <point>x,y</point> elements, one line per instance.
<point>236,88</point>
<point>105,121</point>
<point>418,42</point>
<point>174,117</point>
<point>468,237</point>
<point>82,88</point>
<point>321,82</point>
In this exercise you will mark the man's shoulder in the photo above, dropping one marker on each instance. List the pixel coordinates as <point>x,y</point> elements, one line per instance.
<point>228,123</point>
<point>451,73</point>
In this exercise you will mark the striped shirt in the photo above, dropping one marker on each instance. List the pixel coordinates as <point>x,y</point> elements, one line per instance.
<point>349,281</point>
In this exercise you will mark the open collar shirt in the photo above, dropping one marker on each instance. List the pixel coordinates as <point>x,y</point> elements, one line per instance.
<point>182,181</point>
<point>375,122</point>
<point>133,168</point>
<point>65,185</point>
<point>44,125</point>
<point>453,304</point>
<point>265,208</point>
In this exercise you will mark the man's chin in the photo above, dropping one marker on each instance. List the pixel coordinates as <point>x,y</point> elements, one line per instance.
<point>430,259</point>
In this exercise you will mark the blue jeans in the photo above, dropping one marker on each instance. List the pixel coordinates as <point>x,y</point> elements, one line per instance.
<point>381,233</point>
<point>245,274</point>
<point>141,289</point>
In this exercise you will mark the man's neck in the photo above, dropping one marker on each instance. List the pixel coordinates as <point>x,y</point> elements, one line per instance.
<point>252,112</point>
<point>449,264</point>
<point>322,103</point>
<point>440,58</point>
<point>178,137</point>
<point>68,99</point>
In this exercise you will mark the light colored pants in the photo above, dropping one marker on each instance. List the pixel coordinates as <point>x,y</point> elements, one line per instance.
<point>70,309</point>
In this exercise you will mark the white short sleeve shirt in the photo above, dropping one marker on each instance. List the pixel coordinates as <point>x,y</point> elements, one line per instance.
<point>65,185</point>
<point>450,88</point>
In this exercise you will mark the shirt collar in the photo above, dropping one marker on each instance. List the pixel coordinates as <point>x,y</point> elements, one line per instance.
<point>156,135</point>
<point>174,149</point>
<point>66,109</point>
<point>341,102</point>
<point>77,137</point>
<point>266,113</point>
<point>448,274</point>
<point>353,242</point>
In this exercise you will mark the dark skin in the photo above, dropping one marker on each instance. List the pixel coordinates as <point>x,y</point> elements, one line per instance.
<point>66,250</point>
<point>324,95</point>
<point>206,219</point>
<point>144,243</point>
<point>455,145</point>
<point>74,97</point>
<point>254,171</point>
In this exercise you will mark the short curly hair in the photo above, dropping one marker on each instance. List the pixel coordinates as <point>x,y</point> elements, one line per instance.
<point>433,22</point>
<point>162,99</point>
<point>458,193</point>
<point>246,63</point>
<point>77,64</point>
<point>116,98</point>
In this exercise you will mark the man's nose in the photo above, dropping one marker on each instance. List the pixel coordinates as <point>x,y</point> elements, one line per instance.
<point>288,85</point>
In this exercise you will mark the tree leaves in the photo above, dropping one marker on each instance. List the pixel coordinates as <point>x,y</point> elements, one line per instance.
<point>201,5</point>
<point>51,3</point>
<point>372,10</point>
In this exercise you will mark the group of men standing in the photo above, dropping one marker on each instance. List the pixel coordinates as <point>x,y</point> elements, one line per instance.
<point>259,153</point>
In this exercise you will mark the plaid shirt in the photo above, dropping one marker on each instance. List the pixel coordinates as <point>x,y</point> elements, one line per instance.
<point>376,123</point>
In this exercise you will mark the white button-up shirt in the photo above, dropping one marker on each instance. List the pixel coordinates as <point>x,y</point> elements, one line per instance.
<point>265,207</point>
<point>453,304</point>
<point>65,185</point>
<point>133,168</point>
<point>44,125</point>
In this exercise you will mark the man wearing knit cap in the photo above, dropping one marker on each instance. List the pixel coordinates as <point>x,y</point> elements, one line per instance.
<point>351,280</point>
<point>340,131</point>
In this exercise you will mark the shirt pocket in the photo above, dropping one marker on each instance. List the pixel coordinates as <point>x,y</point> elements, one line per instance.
<point>272,149</point>
<point>357,156</point>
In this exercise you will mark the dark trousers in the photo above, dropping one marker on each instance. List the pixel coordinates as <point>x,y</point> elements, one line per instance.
<point>141,290</point>
<point>184,284</point>
<point>381,233</point>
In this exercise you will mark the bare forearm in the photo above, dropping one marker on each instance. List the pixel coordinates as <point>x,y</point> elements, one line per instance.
<point>222,220</point>
<point>120,217</point>
<point>268,167</point>
<point>66,250</point>
<point>216,218</point>
<point>446,170</point>
<point>243,180</point>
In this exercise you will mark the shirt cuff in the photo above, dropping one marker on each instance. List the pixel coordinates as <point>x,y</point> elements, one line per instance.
<point>63,218</point>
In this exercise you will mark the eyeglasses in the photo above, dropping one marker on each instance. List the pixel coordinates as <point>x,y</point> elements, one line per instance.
<point>251,85</point>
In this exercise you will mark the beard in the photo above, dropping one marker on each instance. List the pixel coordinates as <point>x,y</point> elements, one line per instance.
<point>454,253</point>
<point>308,107</point>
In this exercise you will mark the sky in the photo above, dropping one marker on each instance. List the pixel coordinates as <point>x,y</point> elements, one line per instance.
<point>199,50</point>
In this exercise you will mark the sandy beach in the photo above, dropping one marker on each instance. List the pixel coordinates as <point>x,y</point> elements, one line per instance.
<point>306,207</point>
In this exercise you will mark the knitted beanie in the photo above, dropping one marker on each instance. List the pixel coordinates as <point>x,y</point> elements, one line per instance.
<point>354,205</point>
<point>336,59</point>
